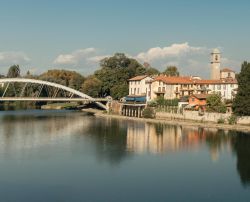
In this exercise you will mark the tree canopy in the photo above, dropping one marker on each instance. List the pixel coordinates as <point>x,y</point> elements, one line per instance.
<point>115,72</point>
<point>71,79</point>
<point>241,104</point>
<point>171,71</point>
<point>92,86</point>
<point>214,104</point>
<point>14,71</point>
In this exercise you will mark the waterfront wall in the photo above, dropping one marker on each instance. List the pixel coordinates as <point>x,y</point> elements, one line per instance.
<point>207,117</point>
<point>116,107</point>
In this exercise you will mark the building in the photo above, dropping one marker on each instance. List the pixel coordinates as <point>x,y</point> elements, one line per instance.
<point>198,100</point>
<point>171,87</point>
<point>222,82</point>
<point>140,86</point>
<point>178,87</point>
<point>215,64</point>
<point>227,73</point>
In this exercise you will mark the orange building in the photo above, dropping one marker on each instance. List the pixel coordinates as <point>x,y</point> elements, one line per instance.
<point>198,101</point>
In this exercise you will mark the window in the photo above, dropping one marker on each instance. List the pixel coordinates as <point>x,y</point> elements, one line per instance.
<point>224,87</point>
<point>229,74</point>
<point>134,91</point>
<point>218,87</point>
<point>138,91</point>
<point>159,89</point>
<point>163,89</point>
<point>231,85</point>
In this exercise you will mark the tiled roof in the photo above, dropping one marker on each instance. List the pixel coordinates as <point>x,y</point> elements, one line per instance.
<point>138,78</point>
<point>201,96</point>
<point>191,80</point>
<point>174,79</point>
<point>220,81</point>
<point>227,70</point>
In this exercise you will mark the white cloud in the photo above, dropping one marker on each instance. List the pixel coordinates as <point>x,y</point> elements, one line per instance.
<point>84,60</point>
<point>232,64</point>
<point>190,60</point>
<point>76,57</point>
<point>12,57</point>
<point>97,59</point>
<point>175,50</point>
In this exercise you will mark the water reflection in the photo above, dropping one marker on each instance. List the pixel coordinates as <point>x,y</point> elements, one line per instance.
<point>162,138</point>
<point>113,141</point>
<point>241,146</point>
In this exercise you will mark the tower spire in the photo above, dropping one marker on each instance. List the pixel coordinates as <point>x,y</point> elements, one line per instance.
<point>215,64</point>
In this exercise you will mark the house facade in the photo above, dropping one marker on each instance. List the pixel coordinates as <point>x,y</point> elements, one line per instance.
<point>177,87</point>
<point>140,86</point>
<point>198,100</point>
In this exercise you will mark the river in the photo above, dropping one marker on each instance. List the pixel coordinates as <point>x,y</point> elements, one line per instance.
<point>72,156</point>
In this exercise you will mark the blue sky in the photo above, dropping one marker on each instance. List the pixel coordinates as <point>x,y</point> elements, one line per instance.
<point>41,35</point>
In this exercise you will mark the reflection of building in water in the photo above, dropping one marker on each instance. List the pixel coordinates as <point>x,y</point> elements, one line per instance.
<point>154,138</point>
<point>160,138</point>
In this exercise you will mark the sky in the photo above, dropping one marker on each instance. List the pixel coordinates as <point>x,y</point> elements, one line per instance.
<point>75,35</point>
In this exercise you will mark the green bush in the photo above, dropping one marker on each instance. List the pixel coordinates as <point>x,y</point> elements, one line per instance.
<point>148,113</point>
<point>152,103</point>
<point>214,104</point>
<point>221,121</point>
<point>161,101</point>
<point>232,120</point>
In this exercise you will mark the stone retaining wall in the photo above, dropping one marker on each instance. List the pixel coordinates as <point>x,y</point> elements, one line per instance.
<point>207,117</point>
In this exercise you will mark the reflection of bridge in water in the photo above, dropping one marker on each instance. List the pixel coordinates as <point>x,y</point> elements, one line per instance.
<point>38,90</point>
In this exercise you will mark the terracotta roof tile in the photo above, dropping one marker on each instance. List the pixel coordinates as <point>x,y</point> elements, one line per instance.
<point>190,80</point>
<point>201,96</point>
<point>227,70</point>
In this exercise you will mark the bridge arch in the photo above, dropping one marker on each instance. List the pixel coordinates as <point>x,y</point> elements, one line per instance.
<point>51,84</point>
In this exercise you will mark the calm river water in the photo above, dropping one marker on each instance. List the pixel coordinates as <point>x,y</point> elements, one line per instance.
<point>71,156</point>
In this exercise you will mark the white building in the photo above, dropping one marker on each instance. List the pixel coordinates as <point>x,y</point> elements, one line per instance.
<point>177,87</point>
<point>222,82</point>
<point>227,73</point>
<point>140,86</point>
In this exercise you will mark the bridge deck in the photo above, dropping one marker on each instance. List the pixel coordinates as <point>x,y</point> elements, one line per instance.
<point>52,99</point>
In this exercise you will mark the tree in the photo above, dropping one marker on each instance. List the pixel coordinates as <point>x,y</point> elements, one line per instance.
<point>150,70</point>
<point>171,71</point>
<point>214,104</point>
<point>92,86</point>
<point>71,79</point>
<point>241,103</point>
<point>14,71</point>
<point>115,72</point>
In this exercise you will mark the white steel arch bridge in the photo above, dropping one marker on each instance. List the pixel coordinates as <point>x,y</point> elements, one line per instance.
<point>43,91</point>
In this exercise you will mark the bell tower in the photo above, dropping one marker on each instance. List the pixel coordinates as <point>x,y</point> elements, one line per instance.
<point>215,64</point>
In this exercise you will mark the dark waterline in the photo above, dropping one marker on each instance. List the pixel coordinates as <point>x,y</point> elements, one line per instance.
<point>71,156</point>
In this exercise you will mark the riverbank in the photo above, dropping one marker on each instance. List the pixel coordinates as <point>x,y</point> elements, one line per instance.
<point>243,128</point>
